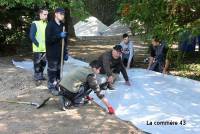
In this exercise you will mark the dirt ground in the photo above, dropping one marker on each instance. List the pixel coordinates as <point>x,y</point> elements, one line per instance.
<point>17,84</point>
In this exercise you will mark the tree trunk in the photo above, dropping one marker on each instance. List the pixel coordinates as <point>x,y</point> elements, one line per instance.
<point>104,10</point>
<point>69,24</point>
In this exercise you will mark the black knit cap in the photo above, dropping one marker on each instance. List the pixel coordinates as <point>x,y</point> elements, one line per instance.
<point>118,48</point>
<point>60,10</point>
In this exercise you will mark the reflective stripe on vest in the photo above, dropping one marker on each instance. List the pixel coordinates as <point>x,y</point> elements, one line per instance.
<point>40,36</point>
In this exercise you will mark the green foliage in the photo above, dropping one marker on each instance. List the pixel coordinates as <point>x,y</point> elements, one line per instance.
<point>20,14</point>
<point>78,9</point>
<point>172,21</point>
<point>165,18</point>
<point>189,66</point>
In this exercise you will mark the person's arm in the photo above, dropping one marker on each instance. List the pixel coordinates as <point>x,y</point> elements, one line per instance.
<point>167,62</point>
<point>151,59</point>
<point>130,55</point>
<point>106,64</point>
<point>93,84</point>
<point>110,108</point>
<point>124,73</point>
<point>152,55</point>
<point>32,34</point>
<point>166,67</point>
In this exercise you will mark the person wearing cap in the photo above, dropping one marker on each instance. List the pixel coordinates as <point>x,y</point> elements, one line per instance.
<point>37,36</point>
<point>128,51</point>
<point>54,36</point>
<point>111,65</point>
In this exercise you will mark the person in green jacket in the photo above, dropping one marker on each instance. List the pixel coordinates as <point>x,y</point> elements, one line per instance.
<point>37,36</point>
<point>77,84</point>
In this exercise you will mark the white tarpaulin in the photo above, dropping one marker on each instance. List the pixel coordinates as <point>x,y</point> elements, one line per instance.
<point>156,103</point>
<point>90,27</point>
<point>94,27</point>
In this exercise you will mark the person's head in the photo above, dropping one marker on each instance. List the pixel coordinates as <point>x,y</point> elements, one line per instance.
<point>59,14</point>
<point>117,51</point>
<point>155,41</point>
<point>125,38</point>
<point>43,14</point>
<point>96,66</point>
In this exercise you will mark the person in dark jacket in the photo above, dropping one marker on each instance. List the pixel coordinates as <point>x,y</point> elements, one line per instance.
<point>158,53</point>
<point>54,35</point>
<point>111,64</point>
<point>37,36</point>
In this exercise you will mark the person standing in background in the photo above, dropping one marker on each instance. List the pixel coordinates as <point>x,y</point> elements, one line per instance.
<point>127,52</point>
<point>54,36</point>
<point>37,36</point>
<point>158,56</point>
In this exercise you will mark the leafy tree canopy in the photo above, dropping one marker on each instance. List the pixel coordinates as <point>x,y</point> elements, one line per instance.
<point>168,19</point>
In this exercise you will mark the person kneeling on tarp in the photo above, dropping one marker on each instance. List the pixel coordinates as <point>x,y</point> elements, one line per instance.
<point>77,84</point>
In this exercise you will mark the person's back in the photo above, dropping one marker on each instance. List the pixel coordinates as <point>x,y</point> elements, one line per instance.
<point>74,78</point>
<point>108,63</point>
<point>77,84</point>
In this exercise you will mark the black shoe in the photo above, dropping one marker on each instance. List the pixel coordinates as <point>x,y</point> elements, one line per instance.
<point>41,77</point>
<point>104,86</point>
<point>54,92</point>
<point>111,87</point>
<point>52,89</point>
<point>50,86</point>
<point>37,76</point>
<point>78,102</point>
<point>64,103</point>
<point>38,82</point>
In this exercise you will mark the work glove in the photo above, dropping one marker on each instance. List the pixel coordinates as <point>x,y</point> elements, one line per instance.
<point>66,57</point>
<point>89,98</point>
<point>63,34</point>
<point>111,110</point>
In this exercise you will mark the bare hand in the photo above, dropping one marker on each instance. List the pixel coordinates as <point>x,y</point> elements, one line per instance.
<point>128,67</point>
<point>164,71</point>
<point>110,79</point>
<point>128,83</point>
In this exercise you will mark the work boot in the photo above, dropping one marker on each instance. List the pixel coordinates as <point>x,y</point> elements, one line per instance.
<point>64,103</point>
<point>52,89</point>
<point>104,86</point>
<point>41,77</point>
<point>110,86</point>
<point>79,102</point>
<point>36,76</point>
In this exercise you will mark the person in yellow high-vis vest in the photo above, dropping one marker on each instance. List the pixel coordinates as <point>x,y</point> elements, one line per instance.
<point>37,36</point>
